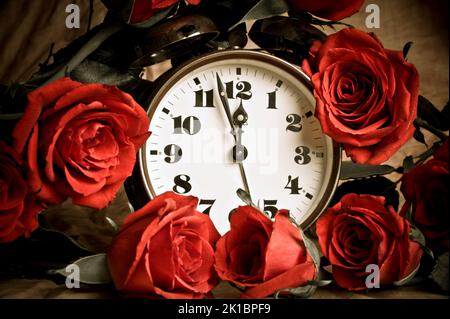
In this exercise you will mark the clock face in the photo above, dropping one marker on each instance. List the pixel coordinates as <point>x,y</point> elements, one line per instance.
<point>288,164</point>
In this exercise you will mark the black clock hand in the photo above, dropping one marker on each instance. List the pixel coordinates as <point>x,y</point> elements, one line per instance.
<point>224,100</point>
<point>240,117</point>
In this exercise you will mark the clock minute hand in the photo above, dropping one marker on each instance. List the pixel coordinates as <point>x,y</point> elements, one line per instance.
<point>224,100</point>
<point>226,106</point>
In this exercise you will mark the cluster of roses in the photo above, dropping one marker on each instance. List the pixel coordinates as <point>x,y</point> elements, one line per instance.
<point>74,141</point>
<point>80,142</point>
<point>170,249</point>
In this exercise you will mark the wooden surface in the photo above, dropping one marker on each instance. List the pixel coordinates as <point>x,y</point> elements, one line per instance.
<point>27,30</point>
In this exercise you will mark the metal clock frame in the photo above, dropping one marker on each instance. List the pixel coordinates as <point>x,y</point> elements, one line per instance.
<point>140,181</point>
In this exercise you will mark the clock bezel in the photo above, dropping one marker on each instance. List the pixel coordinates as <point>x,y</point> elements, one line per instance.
<point>142,183</point>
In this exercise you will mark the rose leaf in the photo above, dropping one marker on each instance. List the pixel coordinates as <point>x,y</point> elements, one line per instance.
<point>92,269</point>
<point>440,273</point>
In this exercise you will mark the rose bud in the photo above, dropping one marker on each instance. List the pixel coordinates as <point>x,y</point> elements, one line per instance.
<point>366,95</point>
<point>360,231</point>
<point>328,9</point>
<point>18,208</point>
<point>263,256</point>
<point>426,191</point>
<point>79,141</point>
<point>166,248</point>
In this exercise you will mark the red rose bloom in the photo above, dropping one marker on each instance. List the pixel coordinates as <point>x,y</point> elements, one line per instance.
<point>18,209</point>
<point>142,10</point>
<point>80,141</point>
<point>359,231</point>
<point>262,255</point>
<point>426,189</point>
<point>366,95</point>
<point>328,9</point>
<point>165,248</point>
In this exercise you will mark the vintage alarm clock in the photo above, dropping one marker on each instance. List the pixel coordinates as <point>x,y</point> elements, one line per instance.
<point>236,119</point>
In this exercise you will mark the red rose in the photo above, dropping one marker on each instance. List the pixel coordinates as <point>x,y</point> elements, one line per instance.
<point>165,248</point>
<point>366,95</point>
<point>139,11</point>
<point>18,209</point>
<point>262,255</point>
<point>328,9</point>
<point>80,141</point>
<point>359,231</point>
<point>426,188</point>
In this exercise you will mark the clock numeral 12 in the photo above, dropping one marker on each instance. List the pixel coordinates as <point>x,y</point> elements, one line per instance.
<point>190,125</point>
<point>182,185</point>
<point>243,88</point>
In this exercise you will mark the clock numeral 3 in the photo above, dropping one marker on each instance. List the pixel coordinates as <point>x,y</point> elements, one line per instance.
<point>294,121</point>
<point>292,184</point>
<point>182,185</point>
<point>173,152</point>
<point>269,207</point>
<point>303,157</point>
<point>190,125</point>
<point>209,202</point>
<point>204,98</point>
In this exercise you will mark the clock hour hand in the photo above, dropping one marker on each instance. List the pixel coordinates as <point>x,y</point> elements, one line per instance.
<point>240,117</point>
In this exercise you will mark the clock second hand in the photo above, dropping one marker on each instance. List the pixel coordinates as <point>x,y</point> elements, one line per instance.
<point>224,100</point>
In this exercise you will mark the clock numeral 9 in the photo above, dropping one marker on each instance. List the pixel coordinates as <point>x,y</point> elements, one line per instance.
<point>182,185</point>
<point>269,207</point>
<point>303,157</point>
<point>292,184</point>
<point>209,202</point>
<point>294,121</point>
<point>173,152</point>
<point>190,125</point>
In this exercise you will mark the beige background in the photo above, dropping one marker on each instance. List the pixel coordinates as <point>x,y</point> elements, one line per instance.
<point>27,29</point>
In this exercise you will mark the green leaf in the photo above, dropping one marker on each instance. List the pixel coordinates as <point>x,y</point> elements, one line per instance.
<point>429,113</point>
<point>263,9</point>
<point>418,136</point>
<point>299,292</point>
<point>406,49</point>
<point>93,270</point>
<point>416,235</point>
<point>440,272</point>
<point>350,170</point>
<point>407,279</point>
<point>408,164</point>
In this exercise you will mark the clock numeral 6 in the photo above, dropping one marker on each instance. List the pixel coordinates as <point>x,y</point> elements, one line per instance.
<point>173,152</point>
<point>292,184</point>
<point>209,202</point>
<point>303,157</point>
<point>269,207</point>
<point>182,185</point>
<point>190,125</point>
<point>294,121</point>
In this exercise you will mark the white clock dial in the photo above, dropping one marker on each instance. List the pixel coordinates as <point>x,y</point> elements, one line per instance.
<point>290,163</point>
